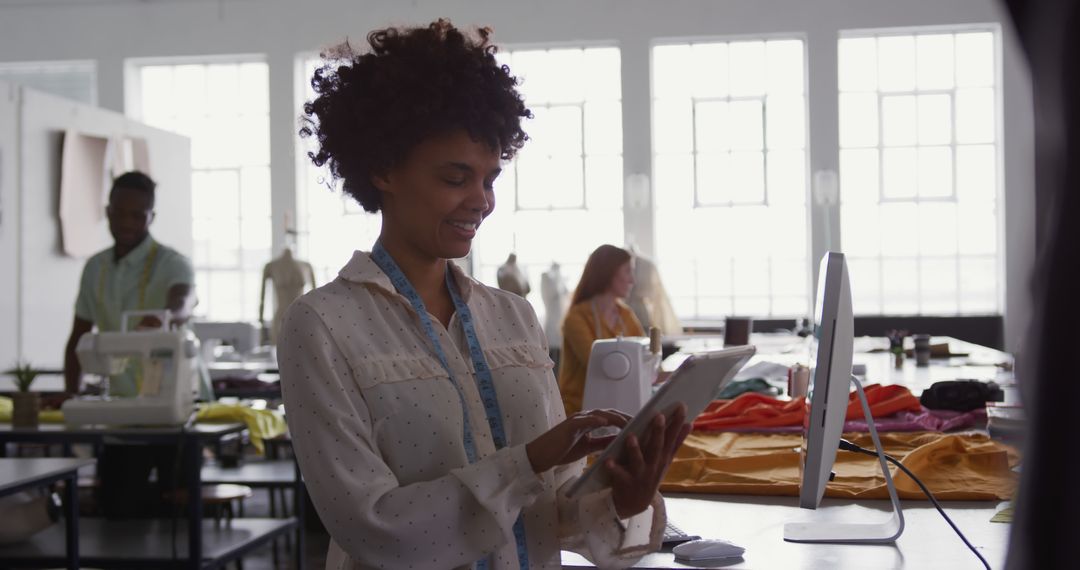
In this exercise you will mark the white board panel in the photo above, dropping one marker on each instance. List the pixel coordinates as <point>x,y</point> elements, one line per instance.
<point>49,279</point>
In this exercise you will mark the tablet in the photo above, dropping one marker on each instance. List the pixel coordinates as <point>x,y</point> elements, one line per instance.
<point>694,383</point>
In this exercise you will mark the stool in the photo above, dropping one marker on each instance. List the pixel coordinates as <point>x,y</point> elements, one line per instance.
<point>220,498</point>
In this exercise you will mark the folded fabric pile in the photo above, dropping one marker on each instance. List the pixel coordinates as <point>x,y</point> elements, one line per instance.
<point>959,467</point>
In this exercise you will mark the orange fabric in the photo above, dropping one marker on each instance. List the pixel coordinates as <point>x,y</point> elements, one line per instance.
<point>959,467</point>
<point>752,409</point>
<point>579,333</point>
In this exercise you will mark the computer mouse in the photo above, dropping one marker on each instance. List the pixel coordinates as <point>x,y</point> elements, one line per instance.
<point>707,549</point>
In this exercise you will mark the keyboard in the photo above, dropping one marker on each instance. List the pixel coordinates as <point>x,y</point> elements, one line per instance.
<point>674,535</point>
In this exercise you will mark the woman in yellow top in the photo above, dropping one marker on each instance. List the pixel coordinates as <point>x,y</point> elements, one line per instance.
<point>597,311</point>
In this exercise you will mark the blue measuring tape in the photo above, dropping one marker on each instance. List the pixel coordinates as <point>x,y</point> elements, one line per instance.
<point>484,382</point>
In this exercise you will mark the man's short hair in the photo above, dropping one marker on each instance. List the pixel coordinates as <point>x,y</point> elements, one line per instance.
<point>134,180</point>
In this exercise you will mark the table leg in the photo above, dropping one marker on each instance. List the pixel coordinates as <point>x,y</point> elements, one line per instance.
<point>298,510</point>
<point>194,497</point>
<point>71,519</point>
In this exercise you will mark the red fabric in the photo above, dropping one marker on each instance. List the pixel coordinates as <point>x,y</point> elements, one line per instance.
<point>752,409</point>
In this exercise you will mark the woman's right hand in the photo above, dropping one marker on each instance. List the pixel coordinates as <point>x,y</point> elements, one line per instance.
<point>570,440</point>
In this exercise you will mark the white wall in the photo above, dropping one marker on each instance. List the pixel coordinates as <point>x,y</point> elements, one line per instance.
<point>46,281</point>
<point>9,137</point>
<point>110,32</point>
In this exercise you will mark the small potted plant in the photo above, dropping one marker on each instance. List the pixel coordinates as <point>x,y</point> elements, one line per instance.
<point>896,346</point>
<point>25,404</point>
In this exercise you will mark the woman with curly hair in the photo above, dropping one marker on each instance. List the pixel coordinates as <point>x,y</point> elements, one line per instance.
<point>422,405</point>
<point>598,310</point>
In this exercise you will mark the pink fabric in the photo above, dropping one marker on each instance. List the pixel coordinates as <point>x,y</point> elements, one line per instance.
<point>925,420</point>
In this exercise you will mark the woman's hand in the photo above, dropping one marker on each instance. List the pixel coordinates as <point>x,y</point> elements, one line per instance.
<point>570,440</point>
<point>637,475</point>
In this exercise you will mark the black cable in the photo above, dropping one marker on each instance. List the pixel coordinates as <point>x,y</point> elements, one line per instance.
<point>848,446</point>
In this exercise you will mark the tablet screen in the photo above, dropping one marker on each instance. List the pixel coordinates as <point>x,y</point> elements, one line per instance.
<point>695,383</point>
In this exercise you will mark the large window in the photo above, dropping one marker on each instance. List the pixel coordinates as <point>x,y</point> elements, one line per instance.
<point>75,80</point>
<point>223,107</point>
<point>729,170</point>
<point>561,197</point>
<point>918,172</point>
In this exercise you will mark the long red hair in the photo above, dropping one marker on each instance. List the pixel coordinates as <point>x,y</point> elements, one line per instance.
<point>599,271</point>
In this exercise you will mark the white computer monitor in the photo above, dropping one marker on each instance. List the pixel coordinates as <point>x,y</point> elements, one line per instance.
<point>831,382</point>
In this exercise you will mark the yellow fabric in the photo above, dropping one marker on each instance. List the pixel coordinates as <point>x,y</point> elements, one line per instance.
<point>960,467</point>
<point>579,333</point>
<point>261,424</point>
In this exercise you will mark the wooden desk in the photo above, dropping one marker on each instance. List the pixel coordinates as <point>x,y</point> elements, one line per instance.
<point>20,474</point>
<point>757,524</point>
<point>221,544</point>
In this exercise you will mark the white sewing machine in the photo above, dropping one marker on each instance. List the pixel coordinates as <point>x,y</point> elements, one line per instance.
<point>167,364</point>
<point>621,373</point>
<point>240,357</point>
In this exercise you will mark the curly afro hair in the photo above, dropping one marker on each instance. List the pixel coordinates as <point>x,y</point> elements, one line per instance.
<point>372,109</point>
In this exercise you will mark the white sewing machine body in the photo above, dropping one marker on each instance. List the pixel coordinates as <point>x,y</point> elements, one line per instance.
<point>168,362</point>
<point>620,374</point>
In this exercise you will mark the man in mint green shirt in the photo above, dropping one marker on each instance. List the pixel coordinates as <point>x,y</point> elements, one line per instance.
<point>137,273</point>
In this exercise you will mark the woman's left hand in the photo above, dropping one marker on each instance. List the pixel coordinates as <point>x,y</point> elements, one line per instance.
<point>637,475</point>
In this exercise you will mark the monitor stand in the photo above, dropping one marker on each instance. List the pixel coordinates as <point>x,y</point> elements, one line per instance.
<point>880,532</point>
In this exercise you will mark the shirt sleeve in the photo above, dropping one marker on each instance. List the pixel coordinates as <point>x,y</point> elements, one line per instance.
<point>177,270</point>
<point>84,302</point>
<point>451,520</point>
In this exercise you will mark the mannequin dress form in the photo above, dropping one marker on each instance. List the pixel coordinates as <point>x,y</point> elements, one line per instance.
<point>289,277</point>
<point>511,278</point>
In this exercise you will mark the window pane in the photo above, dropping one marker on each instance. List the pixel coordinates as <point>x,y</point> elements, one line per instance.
<point>672,71</point>
<point>254,88</point>
<point>604,79</point>
<point>935,119</point>
<point>978,288</point>
<point>860,230</point>
<point>900,286</point>
<point>566,64</point>
<point>747,182</point>
<point>975,59</point>
<point>858,64</point>
<point>978,230</point>
<point>784,62</point>
<point>859,176</point>
<point>935,61</point>
<point>937,229</point>
<point>899,168</point>
<point>712,129</point>
<point>976,173</point>
<point>672,126</point>
<point>746,122</point>
<point>786,177</point>
<point>674,181</point>
<point>710,78</point>
<point>604,182</point>
<point>975,115</point>
<point>785,123</point>
<point>747,68</point>
<point>938,284</point>
<point>858,120</point>
<point>603,127</point>
<point>898,220</point>
<point>865,285</point>
<point>935,172</point>
<point>255,192</point>
<point>896,63</point>
<point>898,120</point>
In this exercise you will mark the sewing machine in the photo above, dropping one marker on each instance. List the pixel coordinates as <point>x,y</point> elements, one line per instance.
<point>232,349</point>
<point>165,361</point>
<point>621,372</point>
